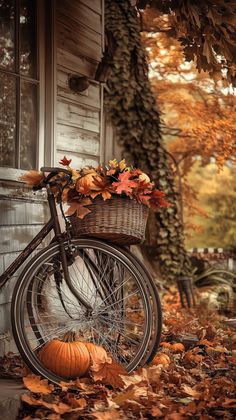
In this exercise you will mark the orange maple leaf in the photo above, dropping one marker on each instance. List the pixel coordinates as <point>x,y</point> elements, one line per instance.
<point>124,184</point>
<point>85,188</point>
<point>77,207</point>
<point>104,188</point>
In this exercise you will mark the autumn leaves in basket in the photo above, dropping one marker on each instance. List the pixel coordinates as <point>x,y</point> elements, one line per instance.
<point>116,178</point>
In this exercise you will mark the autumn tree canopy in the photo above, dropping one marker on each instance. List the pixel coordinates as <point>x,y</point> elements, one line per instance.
<point>198,113</point>
<point>205,28</point>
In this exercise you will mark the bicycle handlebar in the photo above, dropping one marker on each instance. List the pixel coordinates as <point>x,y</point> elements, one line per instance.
<point>52,172</point>
<point>55,170</point>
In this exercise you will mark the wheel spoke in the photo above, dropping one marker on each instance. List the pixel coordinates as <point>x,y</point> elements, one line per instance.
<point>118,291</point>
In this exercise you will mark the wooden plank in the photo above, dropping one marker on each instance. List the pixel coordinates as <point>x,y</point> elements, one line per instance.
<point>6,291</point>
<point>17,237</point>
<point>5,317</point>
<point>76,42</point>
<point>19,212</point>
<point>75,140</point>
<point>74,63</point>
<point>95,5</point>
<point>78,116</point>
<point>90,96</point>
<point>1,265</point>
<point>81,13</point>
<point>79,30</point>
<point>79,161</point>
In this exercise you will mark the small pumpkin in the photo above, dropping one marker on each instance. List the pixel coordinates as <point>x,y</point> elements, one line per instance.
<point>67,358</point>
<point>161,359</point>
<point>97,353</point>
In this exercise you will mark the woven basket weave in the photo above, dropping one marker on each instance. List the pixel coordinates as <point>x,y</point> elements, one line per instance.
<point>118,220</point>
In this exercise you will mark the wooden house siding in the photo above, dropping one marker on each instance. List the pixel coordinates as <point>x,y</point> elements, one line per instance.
<point>79,29</point>
<point>22,215</point>
<point>78,120</point>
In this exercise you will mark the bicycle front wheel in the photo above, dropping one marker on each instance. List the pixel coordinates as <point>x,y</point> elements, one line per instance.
<point>120,318</point>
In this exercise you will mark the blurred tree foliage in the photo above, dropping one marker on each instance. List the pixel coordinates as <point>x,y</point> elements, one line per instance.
<point>205,28</point>
<point>217,195</point>
<point>198,116</point>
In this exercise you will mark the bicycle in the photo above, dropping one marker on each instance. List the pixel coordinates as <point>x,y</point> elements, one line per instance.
<point>98,290</point>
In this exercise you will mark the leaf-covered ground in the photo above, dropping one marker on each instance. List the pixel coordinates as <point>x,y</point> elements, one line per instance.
<point>192,376</point>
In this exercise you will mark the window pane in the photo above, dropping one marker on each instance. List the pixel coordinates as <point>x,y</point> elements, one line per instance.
<point>28,126</point>
<point>7,120</point>
<point>7,34</point>
<point>28,54</point>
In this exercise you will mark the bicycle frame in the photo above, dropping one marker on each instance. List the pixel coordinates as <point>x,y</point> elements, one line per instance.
<point>52,224</point>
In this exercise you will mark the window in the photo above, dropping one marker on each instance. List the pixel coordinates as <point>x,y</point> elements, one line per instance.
<point>19,84</point>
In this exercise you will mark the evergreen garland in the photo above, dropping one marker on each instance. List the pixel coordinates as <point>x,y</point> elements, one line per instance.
<point>131,105</point>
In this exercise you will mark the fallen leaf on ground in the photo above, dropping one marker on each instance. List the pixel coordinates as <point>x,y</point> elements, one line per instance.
<point>190,391</point>
<point>108,415</point>
<point>59,407</point>
<point>108,373</point>
<point>161,359</point>
<point>36,384</point>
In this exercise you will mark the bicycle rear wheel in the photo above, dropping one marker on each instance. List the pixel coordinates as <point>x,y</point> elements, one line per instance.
<point>118,290</point>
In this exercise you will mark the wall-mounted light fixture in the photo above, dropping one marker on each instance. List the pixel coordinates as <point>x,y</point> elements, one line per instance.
<point>78,83</point>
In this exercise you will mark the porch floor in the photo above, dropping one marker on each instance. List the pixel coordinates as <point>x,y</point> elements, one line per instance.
<point>10,392</point>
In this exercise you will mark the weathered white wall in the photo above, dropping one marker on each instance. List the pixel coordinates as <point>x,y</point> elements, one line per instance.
<point>79,27</point>
<point>22,215</point>
<point>79,133</point>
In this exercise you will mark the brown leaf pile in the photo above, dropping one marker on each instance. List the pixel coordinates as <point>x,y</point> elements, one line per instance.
<point>192,376</point>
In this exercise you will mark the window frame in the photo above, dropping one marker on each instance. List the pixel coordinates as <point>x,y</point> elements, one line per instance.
<point>13,174</point>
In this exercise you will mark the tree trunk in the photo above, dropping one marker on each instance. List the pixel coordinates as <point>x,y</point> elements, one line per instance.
<point>131,104</point>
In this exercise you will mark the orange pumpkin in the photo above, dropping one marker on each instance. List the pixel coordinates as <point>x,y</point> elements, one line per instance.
<point>97,353</point>
<point>67,357</point>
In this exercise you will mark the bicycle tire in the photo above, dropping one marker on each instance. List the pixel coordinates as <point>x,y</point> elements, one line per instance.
<point>157,309</point>
<point>34,274</point>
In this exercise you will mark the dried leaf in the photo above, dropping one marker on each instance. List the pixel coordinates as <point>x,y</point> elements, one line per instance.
<point>156,412</point>
<point>229,403</point>
<point>124,184</point>
<point>161,359</point>
<point>107,415</point>
<point>108,373</point>
<point>32,177</point>
<point>77,207</point>
<point>59,407</point>
<point>190,391</point>
<point>165,344</point>
<point>36,384</point>
<point>134,393</point>
<point>177,347</point>
<point>65,161</point>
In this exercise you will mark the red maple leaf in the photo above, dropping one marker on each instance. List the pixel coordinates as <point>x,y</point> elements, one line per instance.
<point>124,184</point>
<point>157,200</point>
<point>65,161</point>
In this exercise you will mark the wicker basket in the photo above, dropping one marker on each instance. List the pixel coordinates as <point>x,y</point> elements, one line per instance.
<point>118,220</point>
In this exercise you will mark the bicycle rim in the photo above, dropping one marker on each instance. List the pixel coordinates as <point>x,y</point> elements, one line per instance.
<point>121,318</point>
<point>155,306</point>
